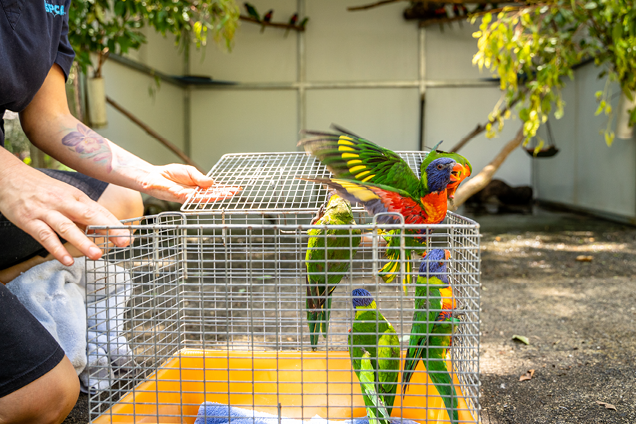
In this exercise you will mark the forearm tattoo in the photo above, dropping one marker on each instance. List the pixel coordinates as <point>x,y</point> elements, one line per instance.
<point>90,145</point>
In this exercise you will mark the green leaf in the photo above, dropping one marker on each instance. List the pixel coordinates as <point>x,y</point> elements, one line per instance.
<point>120,8</point>
<point>591,5</point>
<point>522,339</point>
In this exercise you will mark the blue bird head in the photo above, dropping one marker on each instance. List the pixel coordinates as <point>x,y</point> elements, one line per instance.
<point>434,264</point>
<point>361,297</point>
<point>438,173</point>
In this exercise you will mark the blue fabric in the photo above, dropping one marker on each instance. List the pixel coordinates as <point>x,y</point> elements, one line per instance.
<point>218,413</point>
<point>33,36</point>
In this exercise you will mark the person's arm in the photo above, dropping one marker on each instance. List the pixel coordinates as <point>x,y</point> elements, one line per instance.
<point>43,206</point>
<point>50,126</point>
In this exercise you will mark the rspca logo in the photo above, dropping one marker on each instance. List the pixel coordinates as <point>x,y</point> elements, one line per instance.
<point>54,9</point>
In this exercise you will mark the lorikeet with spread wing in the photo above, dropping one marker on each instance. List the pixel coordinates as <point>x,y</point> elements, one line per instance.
<point>374,348</point>
<point>383,182</point>
<point>341,246</point>
<point>433,327</point>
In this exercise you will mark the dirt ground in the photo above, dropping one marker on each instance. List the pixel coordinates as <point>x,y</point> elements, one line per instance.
<point>579,318</point>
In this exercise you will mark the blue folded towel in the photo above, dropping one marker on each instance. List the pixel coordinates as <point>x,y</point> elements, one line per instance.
<point>218,413</point>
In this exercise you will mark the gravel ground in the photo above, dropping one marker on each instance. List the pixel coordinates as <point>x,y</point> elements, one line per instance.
<point>579,318</point>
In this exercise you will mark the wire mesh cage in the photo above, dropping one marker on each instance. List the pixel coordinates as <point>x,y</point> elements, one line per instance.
<point>207,316</point>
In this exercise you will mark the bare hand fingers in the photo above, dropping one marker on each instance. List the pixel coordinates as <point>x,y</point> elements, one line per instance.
<point>200,179</point>
<point>217,192</point>
<point>88,212</point>
<point>72,234</point>
<point>186,175</point>
<point>44,235</point>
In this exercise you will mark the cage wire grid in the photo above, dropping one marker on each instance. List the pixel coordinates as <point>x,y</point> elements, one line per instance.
<point>269,182</point>
<point>212,307</point>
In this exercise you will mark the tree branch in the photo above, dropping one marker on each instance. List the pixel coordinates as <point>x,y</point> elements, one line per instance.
<point>480,128</point>
<point>481,180</point>
<point>272,24</point>
<point>384,2</point>
<point>154,134</point>
<point>371,5</point>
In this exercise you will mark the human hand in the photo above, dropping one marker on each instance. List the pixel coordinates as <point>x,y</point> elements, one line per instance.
<point>177,182</point>
<point>43,206</point>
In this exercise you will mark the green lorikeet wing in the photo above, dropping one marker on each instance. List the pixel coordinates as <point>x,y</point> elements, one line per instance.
<point>376,408</point>
<point>432,294</point>
<point>327,265</point>
<point>354,158</point>
<point>438,344</point>
<point>414,242</point>
<point>433,327</point>
<point>423,319</point>
<point>372,333</point>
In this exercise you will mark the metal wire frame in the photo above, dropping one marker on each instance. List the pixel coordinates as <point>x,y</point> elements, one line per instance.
<point>269,182</point>
<point>206,288</point>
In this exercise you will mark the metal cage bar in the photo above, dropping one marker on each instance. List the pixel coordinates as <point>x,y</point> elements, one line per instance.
<point>212,305</point>
<point>190,333</point>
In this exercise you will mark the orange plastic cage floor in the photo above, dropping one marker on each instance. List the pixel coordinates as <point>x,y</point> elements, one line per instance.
<point>305,384</point>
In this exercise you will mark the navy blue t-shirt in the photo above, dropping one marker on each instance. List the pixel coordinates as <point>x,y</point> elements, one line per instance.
<point>33,36</point>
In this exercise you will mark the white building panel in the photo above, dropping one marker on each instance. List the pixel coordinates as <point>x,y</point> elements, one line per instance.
<point>163,112</point>
<point>242,121</point>
<point>386,116</point>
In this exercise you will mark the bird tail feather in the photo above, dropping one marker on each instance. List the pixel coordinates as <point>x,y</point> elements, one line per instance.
<point>445,387</point>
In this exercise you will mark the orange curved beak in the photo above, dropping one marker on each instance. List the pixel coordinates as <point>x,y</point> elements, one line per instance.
<point>447,254</point>
<point>458,174</point>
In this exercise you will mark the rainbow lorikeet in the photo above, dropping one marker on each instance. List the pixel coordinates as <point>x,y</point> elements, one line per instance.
<point>393,243</point>
<point>267,18</point>
<point>251,11</point>
<point>383,182</point>
<point>433,327</point>
<point>292,22</point>
<point>374,348</point>
<point>341,246</point>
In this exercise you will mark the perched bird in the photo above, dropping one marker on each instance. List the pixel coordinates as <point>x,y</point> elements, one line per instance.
<point>440,14</point>
<point>374,348</point>
<point>303,23</point>
<point>251,11</point>
<point>267,18</point>
<point>433,327</point>
<point>341,247</point>
<point>457,11</point>
<point>383,182</point>
<point>291,23</point>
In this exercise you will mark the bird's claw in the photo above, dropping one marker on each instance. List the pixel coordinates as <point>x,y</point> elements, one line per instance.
<point>319,214</point>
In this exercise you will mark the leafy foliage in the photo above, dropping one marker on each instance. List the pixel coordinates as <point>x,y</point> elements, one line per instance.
<point>531,48</point>
<point>100,26</point>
